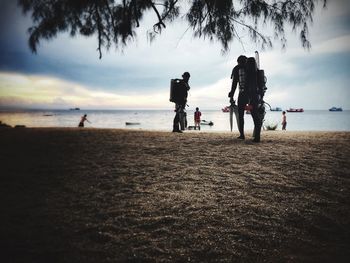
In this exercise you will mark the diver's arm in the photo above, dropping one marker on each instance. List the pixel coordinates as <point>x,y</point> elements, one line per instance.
<point>235,78</point>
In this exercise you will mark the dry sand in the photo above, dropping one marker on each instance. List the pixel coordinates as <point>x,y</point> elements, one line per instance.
<point>104,195</point>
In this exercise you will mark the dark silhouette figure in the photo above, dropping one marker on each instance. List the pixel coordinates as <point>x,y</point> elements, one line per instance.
<point>83,119</point>
<point>284,120</point>
<point>245,74</point>
<point>180,99</point>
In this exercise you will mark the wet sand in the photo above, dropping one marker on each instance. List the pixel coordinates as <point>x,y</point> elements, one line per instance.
<point>104,195</point>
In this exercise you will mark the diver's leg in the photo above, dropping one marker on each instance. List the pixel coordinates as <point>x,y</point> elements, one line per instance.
<point>176,120</point>
<point>257,122</point>
<point>242,101</point>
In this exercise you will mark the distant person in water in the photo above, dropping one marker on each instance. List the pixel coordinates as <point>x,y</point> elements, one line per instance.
<point>83,119</point>
<point>197,119</point>
<point>284,120</point>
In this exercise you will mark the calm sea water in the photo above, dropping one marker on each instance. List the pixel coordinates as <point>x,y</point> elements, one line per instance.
<point>310,120</point>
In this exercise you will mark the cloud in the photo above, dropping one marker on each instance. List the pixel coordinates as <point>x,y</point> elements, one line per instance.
<point>334,45</point>
<point>67,72</point>
<point>30,90</point>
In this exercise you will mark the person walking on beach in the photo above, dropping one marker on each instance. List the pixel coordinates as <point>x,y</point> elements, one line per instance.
<point>244,74</point>
<point>180,99</point>
<point>238,77</point>
<point>284,121</point>
<point>83,119</point>
<point>197,119</point>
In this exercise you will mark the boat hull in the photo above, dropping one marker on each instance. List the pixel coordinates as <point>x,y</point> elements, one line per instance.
<point>296,110</point>
<point>335,109</point>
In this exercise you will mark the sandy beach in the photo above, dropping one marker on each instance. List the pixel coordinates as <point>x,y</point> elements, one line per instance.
<point>106,195</point>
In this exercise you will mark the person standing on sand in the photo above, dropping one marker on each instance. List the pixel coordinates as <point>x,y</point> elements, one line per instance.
<point>83,119</point>
<point>284,121</point>
<point>238,76</point>
<point>197,119</point>
<point>244,74</point>
<point>181,100</point>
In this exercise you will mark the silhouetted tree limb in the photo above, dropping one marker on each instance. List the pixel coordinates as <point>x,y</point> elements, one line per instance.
<point>158,26</point>
<point>114,21</point>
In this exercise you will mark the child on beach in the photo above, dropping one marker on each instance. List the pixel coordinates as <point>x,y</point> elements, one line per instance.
<point>284,120</point>
<point>83,119</point>
<point>197,119</point>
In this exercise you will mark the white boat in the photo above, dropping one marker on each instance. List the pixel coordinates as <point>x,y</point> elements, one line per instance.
<point>204,122</point>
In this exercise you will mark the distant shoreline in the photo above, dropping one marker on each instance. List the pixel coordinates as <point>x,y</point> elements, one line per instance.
<point>135,109</point>
<point>138,129</point>
<point>162,120</point>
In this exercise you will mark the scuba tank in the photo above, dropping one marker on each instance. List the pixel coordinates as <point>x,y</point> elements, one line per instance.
<point>259,93</point>
<point>251,80</point>
<point>261,79</point>
<point>172,90</point>
<point>178,92</point>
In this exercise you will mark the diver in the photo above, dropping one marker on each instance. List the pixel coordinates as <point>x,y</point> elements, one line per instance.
<point>180,99</point>
<point>245,74</point>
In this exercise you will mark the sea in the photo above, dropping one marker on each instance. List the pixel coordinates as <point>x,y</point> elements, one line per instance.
<point>161,120</point>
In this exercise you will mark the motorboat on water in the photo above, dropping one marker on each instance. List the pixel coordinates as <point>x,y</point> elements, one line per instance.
<point>295,110</point>
<point>276,109</point>
<point>132,123</point>
<point>204,122</point>
<point>336,109</point>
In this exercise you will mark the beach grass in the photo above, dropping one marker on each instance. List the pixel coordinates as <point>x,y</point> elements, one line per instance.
<point>107,195</point>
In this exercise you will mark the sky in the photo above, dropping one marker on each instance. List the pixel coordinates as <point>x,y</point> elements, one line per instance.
<point>67,72</point>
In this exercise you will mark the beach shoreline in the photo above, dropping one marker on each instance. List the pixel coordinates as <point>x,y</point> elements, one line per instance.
<point>120,195</point>
<point>162,120</point>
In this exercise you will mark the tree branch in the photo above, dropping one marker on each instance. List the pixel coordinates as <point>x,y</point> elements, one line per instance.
<point>160,23</point>
<point>169,10</point>
<point>99,31</point>
<point>251,28</point>
<point>110,12</point>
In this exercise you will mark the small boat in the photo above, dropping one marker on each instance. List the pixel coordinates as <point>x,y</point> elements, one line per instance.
<point>295,110</point>
<point>336,109</point>
<point>74,109</point>
<point>204,122</point>
<point>226,109</point>
<point>132,123</point>
<point>276,109</point>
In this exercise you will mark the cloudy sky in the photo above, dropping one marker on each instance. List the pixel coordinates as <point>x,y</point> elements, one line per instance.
<point>67,72</point>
